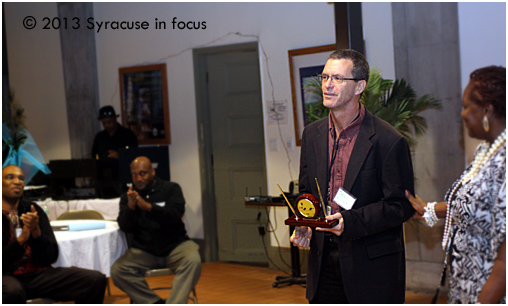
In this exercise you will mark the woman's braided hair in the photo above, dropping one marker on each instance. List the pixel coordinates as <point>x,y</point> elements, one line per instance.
<point>488,86</point>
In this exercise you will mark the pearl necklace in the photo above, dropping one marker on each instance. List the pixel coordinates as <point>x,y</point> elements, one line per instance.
<point>481,159</point>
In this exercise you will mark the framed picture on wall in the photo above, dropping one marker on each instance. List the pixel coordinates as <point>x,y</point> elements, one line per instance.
<point>145,104</point>
<point>304,66</point>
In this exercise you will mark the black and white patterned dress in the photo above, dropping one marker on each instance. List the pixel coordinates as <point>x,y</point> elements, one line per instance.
<point>479,229</point>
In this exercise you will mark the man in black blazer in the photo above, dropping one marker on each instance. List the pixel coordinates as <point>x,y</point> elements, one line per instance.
<point>352,153</point>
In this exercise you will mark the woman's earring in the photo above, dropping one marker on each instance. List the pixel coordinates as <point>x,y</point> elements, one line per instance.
<point>486,123</point>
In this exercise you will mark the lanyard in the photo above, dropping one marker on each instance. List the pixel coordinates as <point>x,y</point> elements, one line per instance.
<point>335,152</point>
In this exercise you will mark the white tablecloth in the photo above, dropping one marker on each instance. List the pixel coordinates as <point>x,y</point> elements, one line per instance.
<point>91,249</point>
<point>109,208</point>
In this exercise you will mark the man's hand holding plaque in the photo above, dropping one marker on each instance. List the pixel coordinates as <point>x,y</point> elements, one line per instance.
<point>338,229</point>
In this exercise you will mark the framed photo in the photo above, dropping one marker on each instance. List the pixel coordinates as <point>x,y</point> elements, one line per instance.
<point>144,103</point>
<point>304,66</point>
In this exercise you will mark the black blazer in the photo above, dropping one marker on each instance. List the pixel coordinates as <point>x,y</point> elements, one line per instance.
<point>372,255</point>
<point>44,248</point>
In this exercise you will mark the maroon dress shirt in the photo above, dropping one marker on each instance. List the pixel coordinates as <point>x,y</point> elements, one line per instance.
<point>339,151</point>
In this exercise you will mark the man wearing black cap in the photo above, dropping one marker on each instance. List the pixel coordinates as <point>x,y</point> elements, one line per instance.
<point>113,137</point>
<point>105,151</point>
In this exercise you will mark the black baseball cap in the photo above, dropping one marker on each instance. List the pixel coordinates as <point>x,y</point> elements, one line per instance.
<point>107,111</point>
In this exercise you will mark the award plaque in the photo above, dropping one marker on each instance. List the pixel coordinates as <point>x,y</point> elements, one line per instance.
<point>307,212</point>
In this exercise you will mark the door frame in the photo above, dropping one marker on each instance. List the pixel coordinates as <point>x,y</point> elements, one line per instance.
<point>211,247</point>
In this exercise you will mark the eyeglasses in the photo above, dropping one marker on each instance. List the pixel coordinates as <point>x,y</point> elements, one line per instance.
<point>335,79</point>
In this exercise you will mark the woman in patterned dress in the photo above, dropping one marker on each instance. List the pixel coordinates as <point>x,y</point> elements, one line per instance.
<point>475,205</point>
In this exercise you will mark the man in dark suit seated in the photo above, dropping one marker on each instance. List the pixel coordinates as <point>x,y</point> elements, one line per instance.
<point>151,213</point>
<point>29,248</point>
<point>365,165</point>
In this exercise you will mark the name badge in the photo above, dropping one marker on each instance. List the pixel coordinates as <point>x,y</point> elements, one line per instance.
<point>344,199</point>
<point>161,204</point>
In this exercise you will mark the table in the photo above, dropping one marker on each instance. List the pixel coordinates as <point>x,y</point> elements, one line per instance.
<point>109,208</point>
<point>296,277</point>
<point>91,249</point>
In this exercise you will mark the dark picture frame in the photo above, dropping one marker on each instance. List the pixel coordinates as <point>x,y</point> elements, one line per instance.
<point>305,63</point>
<point>145,104</point>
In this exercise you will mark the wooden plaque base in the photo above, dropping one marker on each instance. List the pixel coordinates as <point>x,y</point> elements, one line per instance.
<point>319,222</point>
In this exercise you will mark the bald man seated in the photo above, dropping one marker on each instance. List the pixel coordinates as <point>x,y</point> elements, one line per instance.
<point>151,214</point>
<point>29,248</point>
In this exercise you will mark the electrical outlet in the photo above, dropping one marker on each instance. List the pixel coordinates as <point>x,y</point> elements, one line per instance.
<point>274,145</point>
<point>289,143</point>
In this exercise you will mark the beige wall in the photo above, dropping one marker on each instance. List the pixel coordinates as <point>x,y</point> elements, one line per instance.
<point>36,77</point>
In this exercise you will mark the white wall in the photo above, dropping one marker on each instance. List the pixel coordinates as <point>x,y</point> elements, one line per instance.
<point>378,37</point>
<point>36,77</point>
<point>482,34</point>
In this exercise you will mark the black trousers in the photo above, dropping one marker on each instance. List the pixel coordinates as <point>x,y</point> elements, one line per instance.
<point>330,287</point>
<point>62,284</point>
